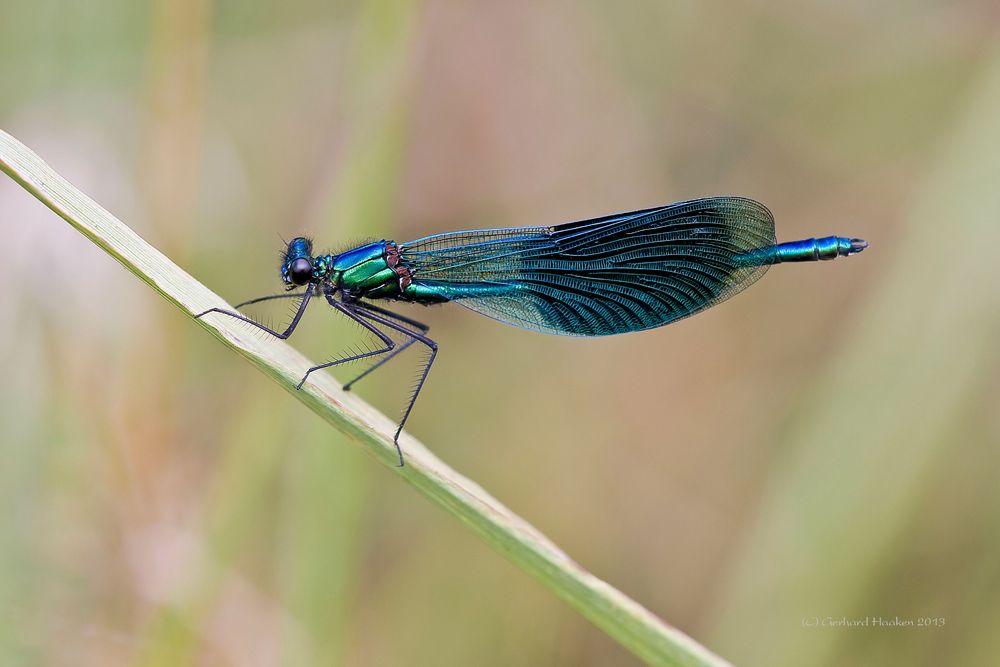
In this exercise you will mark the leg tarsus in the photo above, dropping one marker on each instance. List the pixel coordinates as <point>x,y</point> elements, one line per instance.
<point>399,450</point>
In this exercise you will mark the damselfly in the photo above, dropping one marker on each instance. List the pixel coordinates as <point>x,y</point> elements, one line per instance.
<point>610,275</point>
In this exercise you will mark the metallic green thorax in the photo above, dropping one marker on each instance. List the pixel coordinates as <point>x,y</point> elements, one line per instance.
<point>370,271</point>
<point>363,271</point>
<point>374,271</point>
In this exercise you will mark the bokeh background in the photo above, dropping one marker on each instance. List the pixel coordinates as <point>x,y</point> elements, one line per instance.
<point>821,449</point>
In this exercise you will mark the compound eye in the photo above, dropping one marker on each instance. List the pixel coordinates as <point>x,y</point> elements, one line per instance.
<point>300,271</point>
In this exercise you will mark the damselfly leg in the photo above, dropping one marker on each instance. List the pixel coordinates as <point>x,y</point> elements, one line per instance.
<point>284,295</point>
<point>365,311</point>
<point>360,314</point>
<point>351,312</point>
<point>243,318</point>
<point>420,326</point>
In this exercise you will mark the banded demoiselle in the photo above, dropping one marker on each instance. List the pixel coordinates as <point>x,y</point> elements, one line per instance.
<point>611,275</point>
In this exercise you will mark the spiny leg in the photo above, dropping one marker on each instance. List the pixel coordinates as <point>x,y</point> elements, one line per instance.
<point>284,334</point>
<point>368,371</point>
<point>419,326</point>
<point>285,295</point>
<point>365,311</point>
<point>388,342</point>
<point>423,328</point>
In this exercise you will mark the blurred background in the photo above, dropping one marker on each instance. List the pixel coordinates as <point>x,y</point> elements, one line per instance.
<point>820,450</point>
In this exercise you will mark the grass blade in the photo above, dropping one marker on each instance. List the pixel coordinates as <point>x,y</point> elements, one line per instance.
<point>620,617</point>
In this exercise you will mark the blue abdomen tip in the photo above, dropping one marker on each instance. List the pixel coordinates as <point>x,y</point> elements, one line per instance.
<point>806,250</point>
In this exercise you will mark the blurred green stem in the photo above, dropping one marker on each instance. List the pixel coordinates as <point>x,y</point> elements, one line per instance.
<point>622,618</point>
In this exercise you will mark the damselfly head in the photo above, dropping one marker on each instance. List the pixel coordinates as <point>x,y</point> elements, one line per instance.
<point>297,264</point>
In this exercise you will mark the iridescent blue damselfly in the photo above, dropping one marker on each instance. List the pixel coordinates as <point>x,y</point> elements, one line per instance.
<point>611,275</point>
